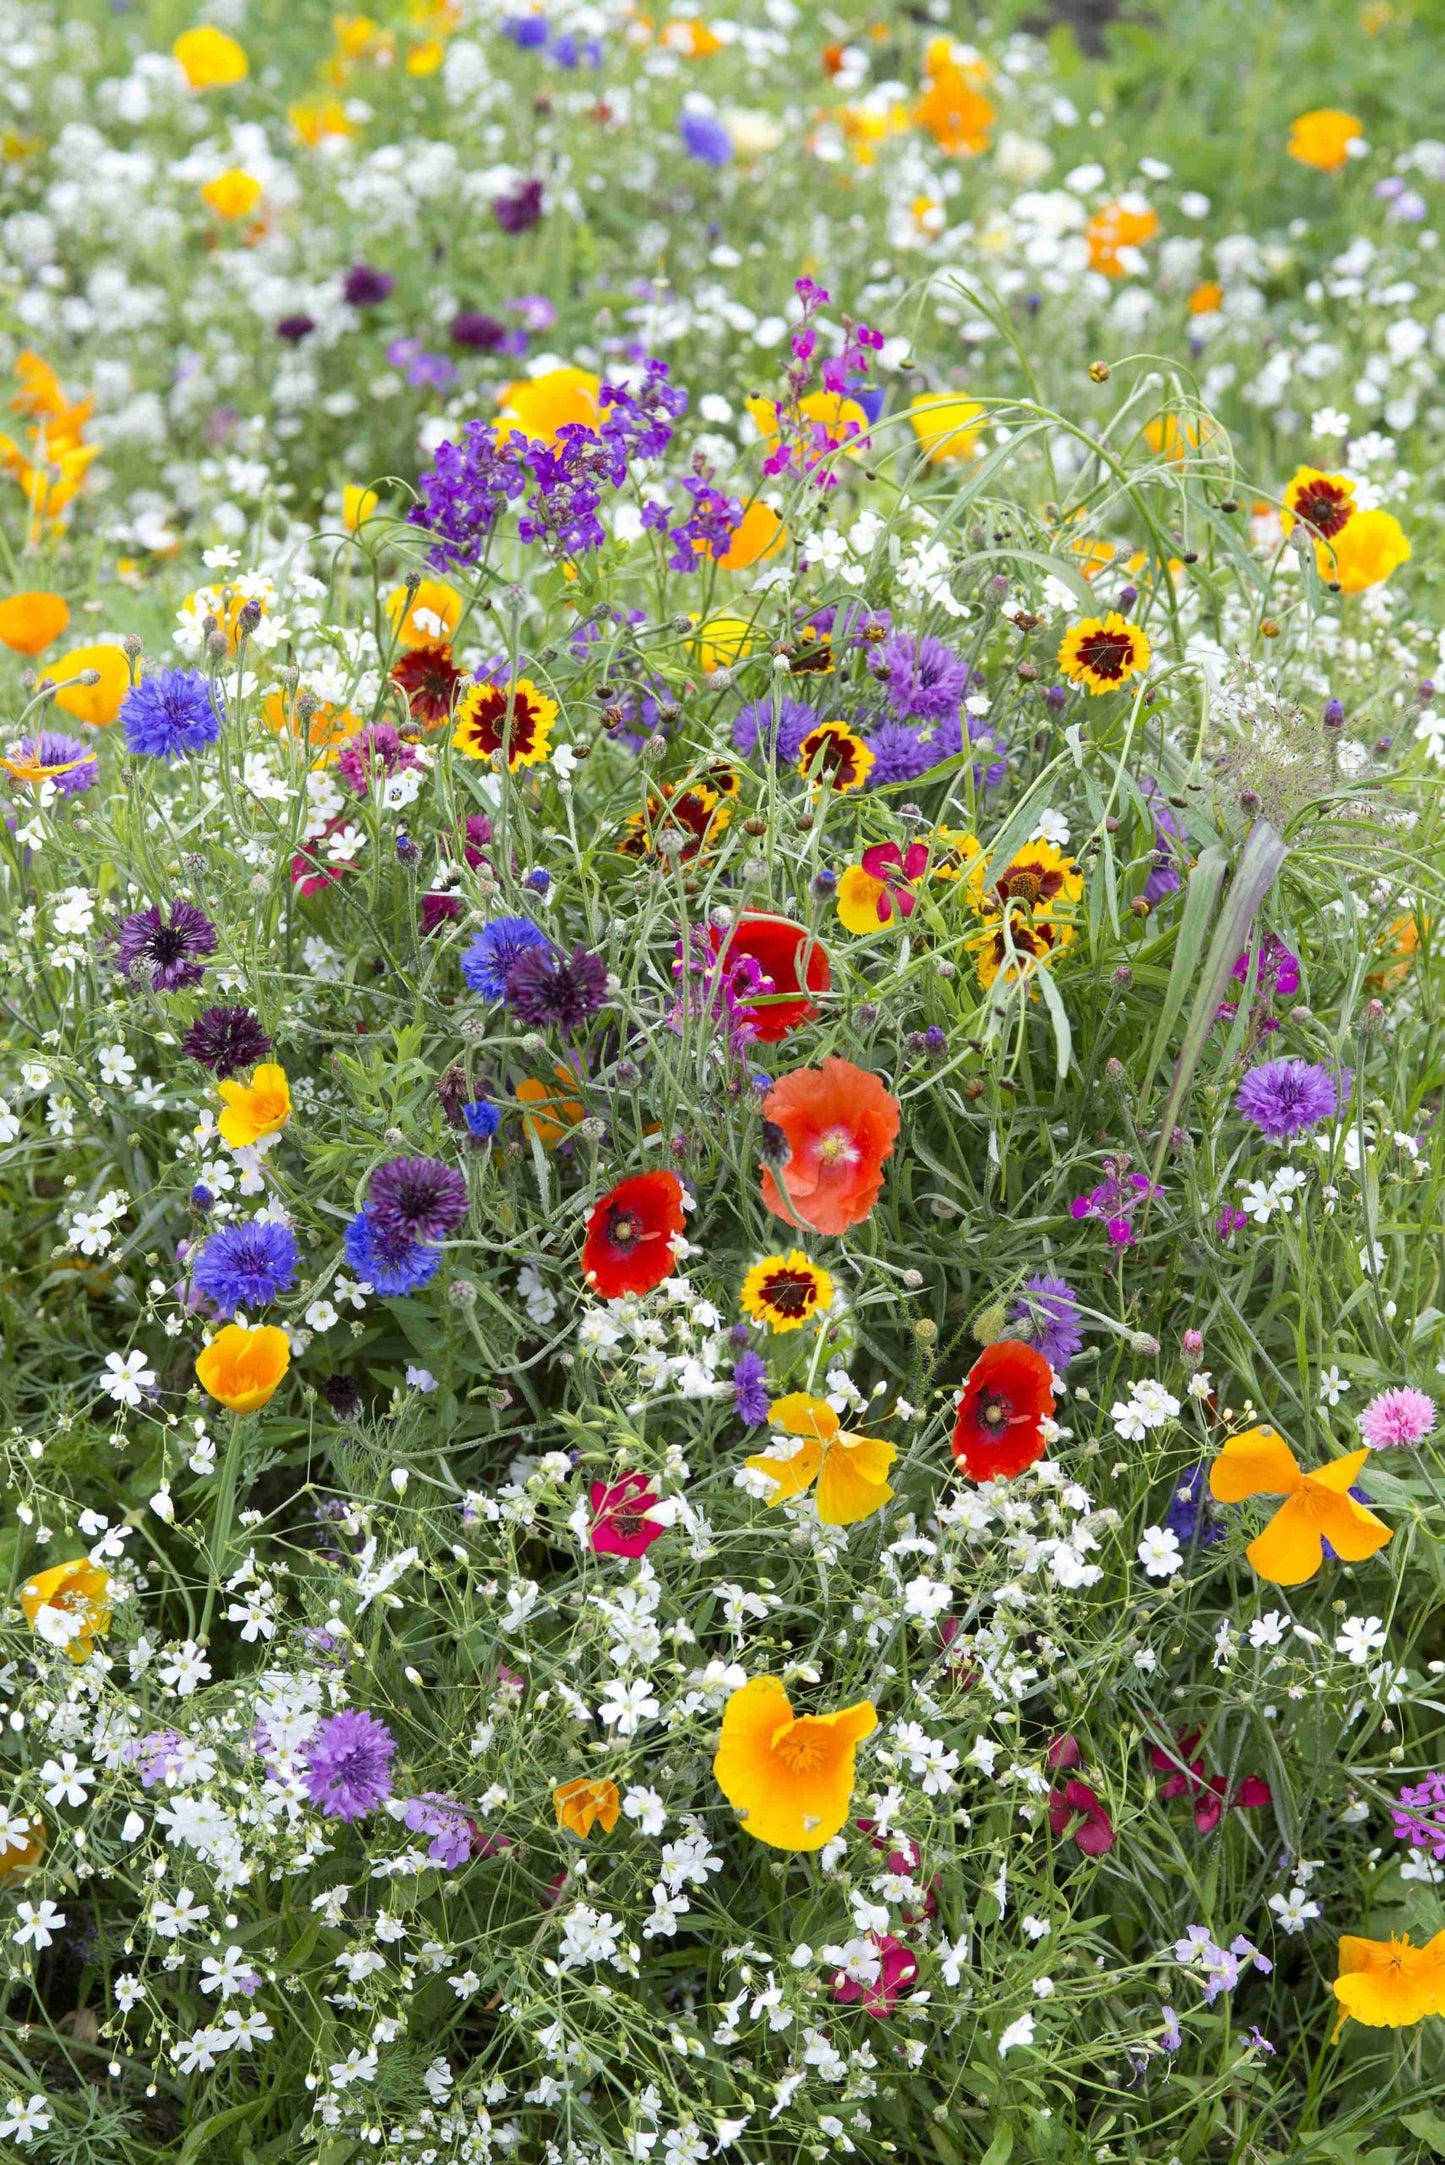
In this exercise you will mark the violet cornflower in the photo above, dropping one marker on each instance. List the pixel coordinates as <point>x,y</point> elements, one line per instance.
<point>1050,1307</point>
<point>416,1199</point>
<point>546,990</point>
<point>170,949</point>
<point>924,680</point>
<point>348,1764</point>
<point>750,1389</point>
<point>1285,1097</point>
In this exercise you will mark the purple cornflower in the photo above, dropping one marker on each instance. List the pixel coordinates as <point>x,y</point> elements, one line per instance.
<point>246,1266</point>
<point>515,213</point>
<point>705,138</point>
<point>1051,1307</point>
<point>1397,1420</point>
<point>388,1262</point>
<point>479,333</point>
<point>1164,879</point>
<point>50,749</point>
<point>226,1039</point>
<point>754,732</point>
<point>1114,1200</point>
<point>1278,969</point>
<point>548,991</point>
<point>416,1199</point>
<point>294,328</point>
<point>348,1770</point>
<point>380,743</point>
<point>1420,1816</point>
<point>170,715</point>
<point>452,1832</point>
<point>1188,1516</point>
<point>1284,1097</point>
<point>899,755</point>
<point>495,952</point>
<point>526,31</point>
<point>750,1389</point>
<point>364,287</point>
<point>924,680</point>
<point>169,948</point>
<point>423,371</point>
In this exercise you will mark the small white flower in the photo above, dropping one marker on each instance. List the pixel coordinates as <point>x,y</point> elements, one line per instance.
<point>1017,2033</point>
<point>126,1377</point>
<point>68,1780</point>
<point>1294,1910</point>
<point>1159,1552</point>
<point>39,1923</point>
<point>1359,1637</point>
<point>24,2120</point>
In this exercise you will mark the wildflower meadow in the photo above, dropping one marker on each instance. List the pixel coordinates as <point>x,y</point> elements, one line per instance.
<point>722,1192</point>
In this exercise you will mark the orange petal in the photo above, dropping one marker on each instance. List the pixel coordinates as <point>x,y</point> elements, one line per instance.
<point>1288,1551</point>
<point>1258,1463</point>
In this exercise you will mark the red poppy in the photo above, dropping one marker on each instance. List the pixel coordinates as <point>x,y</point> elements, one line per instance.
<point>839,1124</point>
<point>1075,1808</point>
<point>897,1968</point>
<point>1006,1399</point>
<point>429,678</point>
<point>795,962</point>
<point>630,1235</point>
<point>620,1525</point>
<point>1210,1793</point>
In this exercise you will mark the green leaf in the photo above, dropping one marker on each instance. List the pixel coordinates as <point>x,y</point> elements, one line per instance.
<point>1428,2126</point>
<point>1058,1016</point>
<point>1000,2150</point>
<point>1200,896</point>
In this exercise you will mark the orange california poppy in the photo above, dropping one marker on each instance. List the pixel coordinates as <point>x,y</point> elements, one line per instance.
<point>1116,233</point>
<point>31,621</point>
<point>97,704</point>
<point>68,1605</point>
<point>788,1776</point>
<point>759,534</point>
<point>1317,1507</point>
<point>839,1124</point>
<point>243,1369</point>
<point>24,1848</point>
<point>1390,1984</point>
<point>1322,138</point>
<point>582,1805</point>
<point>255,1109</point>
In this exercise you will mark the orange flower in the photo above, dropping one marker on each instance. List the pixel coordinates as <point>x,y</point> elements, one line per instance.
<point>243,1369</point>
<point>554,1114</point>
<point>1317,1506</point>
<point>429,617</point>
<point>788,1776</point>
<point>232,194</point>
<point>1389,1984</point>
<point>759,534</point>
<point>1207,298</point>
<point>31,621</point>
<point>99,703</point>
<point>210,59</point>
<point>951,108</point>
<point>1116,233</point>
<point>539,407</point>
<point>582,1805</point>
<point>851,1471</point>
<point>1322,138</point>
<point>839,1124</point>
<point>68,1605</point>
<point>255,1109</point>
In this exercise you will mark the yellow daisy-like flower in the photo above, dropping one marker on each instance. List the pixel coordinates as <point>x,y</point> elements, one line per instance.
<point>690,815</point>
<point>851,1471</point>
<point>786,1291</point>
<point>788,1776</point>
<point>1390,1984</point>
<point>1038,878</point>
<point>69,1605</point>
<point>210,60</point>
<point>833,756</point>
<point>1103,652</point>
<point>1323,502</point>
<point>1016,951</point>
<point>512,718</point>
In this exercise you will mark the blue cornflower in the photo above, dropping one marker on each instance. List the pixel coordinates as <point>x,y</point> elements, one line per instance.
<point>705,138</point>
<point>482,1118</point>
<point>170,715</point>
<point>494,950</point>
<point>245,1266</point>
<point>750,1388</point>
<point>389,1263</point>
<point>1051,1308</point>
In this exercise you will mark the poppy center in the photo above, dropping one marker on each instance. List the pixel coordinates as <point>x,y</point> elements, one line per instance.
<point>799,1754</point>
<point>836,1147</point>
<point>623,1230</point>
<point>995,1411</point>
<point>1107,654</point>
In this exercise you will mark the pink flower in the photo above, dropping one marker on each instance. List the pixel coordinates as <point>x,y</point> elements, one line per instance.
<point>620,1525</point>
<point>897,1968</point>
<point>1210,1793</point>
<point>1397,1419</point>
<point>1076,1808</point>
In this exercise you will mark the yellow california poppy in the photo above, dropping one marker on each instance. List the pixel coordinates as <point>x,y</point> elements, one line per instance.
<point>241,1368</point>
<point>69,1605</point>
<point>210,59</point>
<point>255,1109</point>
<point>1322,138</point>
<point>1317,1506</point>
<point>851,1471</point>
<point>1388,1984</point>
<point>788,1776</point>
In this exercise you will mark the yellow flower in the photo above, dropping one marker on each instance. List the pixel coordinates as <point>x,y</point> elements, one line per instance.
<point>69,1605</point>
<point>512,718</point>
<point>210,59</point>
<point>320,120</point>
<point>759,534</point>
<point>257,1108</point>
<point>1323,138</point>
<point>1116,233</point>
<point>851,1471</point>
<point>1388,1984</point>
<point>1317,1506</point>
<point>832,755</point>
<point>429,617</point>
<point>357,506</point>
<point>786,1291</point>
<point>22,1855</point>
<point>425,57</point>
<point>947,428</point>
<point>723,640</point>
<point>99,703</point>
<point>32,621</point>
<point>1038,878</point>
<point>582,1805</point>
<point>232,194</point>
<point>789,1777</point>
<point>1103,652</point>
<point>243,1369</point>
<point>1371,546</point>
<point>842,421</point>
<point>538,407</point>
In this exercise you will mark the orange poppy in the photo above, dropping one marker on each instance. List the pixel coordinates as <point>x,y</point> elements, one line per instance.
<point>243,1369</point>
<point>839,1124</point>
<point>29,622</point>
<point>582,1805</point>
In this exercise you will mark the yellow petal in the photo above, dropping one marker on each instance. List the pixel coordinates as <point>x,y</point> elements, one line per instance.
<point>1288,1551</point>
<point>800,1414</point>
<point>791,1474</point>
<point>1258,1463</point>
<point>1351,1531</point>
<point>854,1481</point>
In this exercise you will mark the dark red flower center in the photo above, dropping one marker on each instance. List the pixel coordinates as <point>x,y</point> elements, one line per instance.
<point>1107,654</point>
<point>1325,506</point>
<point>790,1292</point>
<point>624,1230</point>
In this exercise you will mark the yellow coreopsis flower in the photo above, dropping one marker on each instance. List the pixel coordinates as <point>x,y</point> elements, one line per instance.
<point>788,1776</point>
<point>786,1291</point>
<point>1101,653</point>
<point>255,1109</point>
<point>851,1471</point>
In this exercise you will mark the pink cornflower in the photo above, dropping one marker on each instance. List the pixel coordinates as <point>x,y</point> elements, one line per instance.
<point>1397,1419</point>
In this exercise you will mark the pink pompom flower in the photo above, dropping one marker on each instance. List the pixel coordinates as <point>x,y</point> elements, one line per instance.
<point>1397,1419</point>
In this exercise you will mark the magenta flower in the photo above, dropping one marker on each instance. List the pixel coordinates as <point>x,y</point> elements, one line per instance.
<point>897,1968</point>
<point>620,1524</point>
<point>1397,1420</point>
<point>1075,1809</point>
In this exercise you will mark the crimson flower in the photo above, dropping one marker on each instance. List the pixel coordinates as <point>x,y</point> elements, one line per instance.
<point>1075,1809</point>
<point>1210,1793</point>
<point>898,1966</point>
<point>792,958</point>
<point>620,1525</point>
<point>1007,1397</point>
<point>630,1235</point>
